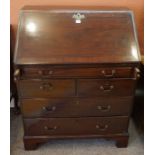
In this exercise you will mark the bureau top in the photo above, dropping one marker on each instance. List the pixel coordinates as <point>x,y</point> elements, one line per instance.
<point>53,35</point>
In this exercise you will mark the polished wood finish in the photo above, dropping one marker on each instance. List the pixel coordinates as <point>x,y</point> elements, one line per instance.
<point>75,126</point>
<point>32,142</point>
<point>46,88</point>
<point>60,42</point>
<point>85,87</point>
<point>64,107</point>
<point>76,71</point>
<point>112,87</point>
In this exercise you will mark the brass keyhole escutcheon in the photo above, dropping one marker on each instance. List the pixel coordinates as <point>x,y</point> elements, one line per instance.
<point>78,17</point>
<point>77,102</point>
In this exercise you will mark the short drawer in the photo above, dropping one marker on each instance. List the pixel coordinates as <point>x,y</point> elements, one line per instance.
<point>101,87</point>
<point>46,88</point>
<point>103,72</point>
<point>75,126</point>
<point>76,107</point>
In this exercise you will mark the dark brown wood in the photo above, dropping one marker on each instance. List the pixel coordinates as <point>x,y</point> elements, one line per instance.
<point>32,142</point>
<point>122,142</point>
<point>53,37</point>
<point>76,77</point>
<point>112,87</point>
<point>76,71</point>
<point>47,88</point>
<point>75,107</point>
<point>75,126</point>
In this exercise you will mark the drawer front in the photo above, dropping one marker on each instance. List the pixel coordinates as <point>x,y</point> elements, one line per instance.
<point>46,88</point>
<point>75,126</point>
<point>102,72</point>
<point>113,87</point>
<point>76,107</point>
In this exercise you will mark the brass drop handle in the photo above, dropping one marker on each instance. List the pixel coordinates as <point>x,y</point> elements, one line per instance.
<point>108,75</point>
<point>102,127</point>
<point>50,128</point>
<point>106,88</point>
<point>137,70</point>
<point>16,74</point>
<point>104,108</point>
<point>53,108</point>
<point>46,86</point>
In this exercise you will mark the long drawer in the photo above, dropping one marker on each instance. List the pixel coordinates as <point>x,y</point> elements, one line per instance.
<point>75,126</point>
<point>76,107</point>
<point>102,72</point>
<point>111,87</point>
<point>47,88</point>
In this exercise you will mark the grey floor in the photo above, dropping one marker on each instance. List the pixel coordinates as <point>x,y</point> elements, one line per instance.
<point>76,147</point>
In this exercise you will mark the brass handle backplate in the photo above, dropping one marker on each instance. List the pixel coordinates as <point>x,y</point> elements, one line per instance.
<point>137,72</point>
<point>16,74</point>
<point>104,108</point>
<point>50,128</point>
<point>46,86</point>
<point>52,108</point>
<point>108,75</point>
<point>102,127</point>
<point>106,88</point>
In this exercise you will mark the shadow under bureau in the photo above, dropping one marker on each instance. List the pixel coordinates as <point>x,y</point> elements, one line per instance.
<point>76,72</point>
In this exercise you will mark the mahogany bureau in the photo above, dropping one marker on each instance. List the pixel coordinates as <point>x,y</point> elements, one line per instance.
<point>76,70</point>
